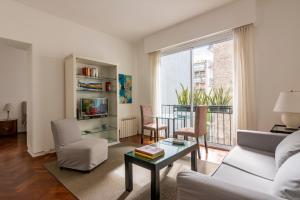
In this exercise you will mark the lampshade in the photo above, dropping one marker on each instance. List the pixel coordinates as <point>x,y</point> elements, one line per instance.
<point>7,107</point>
<point>288,102</point>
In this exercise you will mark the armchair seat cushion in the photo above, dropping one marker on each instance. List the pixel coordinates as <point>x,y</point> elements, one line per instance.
<point>253,161</point>
<point>83,155</point>
<point>152,126</point>
<point>241,178</point>
<point>190,132</point>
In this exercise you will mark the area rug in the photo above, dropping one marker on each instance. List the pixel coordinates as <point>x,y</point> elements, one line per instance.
<point>107,180</point>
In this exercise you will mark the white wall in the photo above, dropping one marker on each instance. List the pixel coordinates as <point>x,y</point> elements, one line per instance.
<point>233,15</point>
<point>277,55</point>
<point>14,80</point>
<point>277,50</point>
<point>144,75</point>
<point>52,39</point>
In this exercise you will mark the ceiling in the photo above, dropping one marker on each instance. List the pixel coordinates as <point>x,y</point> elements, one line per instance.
<point>127,19</point>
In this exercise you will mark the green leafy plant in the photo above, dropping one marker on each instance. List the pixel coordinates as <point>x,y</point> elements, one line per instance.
<point>216,96</point>
<point>200,97</point>
<point>220,97</point>
<point>183,95</point>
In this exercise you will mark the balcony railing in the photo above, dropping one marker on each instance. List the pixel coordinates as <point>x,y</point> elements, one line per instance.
<point>219,122</point>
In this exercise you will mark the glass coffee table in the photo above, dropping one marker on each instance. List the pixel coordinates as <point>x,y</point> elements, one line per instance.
<point>172,153</point>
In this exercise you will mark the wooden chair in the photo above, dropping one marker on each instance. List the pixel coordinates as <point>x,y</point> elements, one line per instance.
<point>148,123</point>
<point>198,130</point>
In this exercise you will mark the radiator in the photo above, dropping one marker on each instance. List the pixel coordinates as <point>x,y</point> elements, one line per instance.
<point>128,127</point>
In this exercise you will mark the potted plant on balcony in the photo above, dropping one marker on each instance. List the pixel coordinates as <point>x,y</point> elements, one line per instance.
<point>219,100</point>
<point>200,97</point>
<point>183,98</point>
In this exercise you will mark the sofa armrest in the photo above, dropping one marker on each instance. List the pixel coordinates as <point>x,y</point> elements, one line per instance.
<point>195,186</point>
<point>265,141</point>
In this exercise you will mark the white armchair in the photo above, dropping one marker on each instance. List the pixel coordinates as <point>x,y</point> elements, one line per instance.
<point>74,152</point>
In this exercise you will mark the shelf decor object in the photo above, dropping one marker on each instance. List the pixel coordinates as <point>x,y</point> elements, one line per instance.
<point>288,104</point>
<point>7,108</point>
<point>125,89</point>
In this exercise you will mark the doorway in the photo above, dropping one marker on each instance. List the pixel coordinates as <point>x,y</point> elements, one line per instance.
<point>15,89</point>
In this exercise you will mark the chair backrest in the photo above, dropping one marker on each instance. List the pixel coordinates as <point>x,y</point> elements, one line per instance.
<point>65,132</point>
<point>146,115</point>
<point>200,120</point>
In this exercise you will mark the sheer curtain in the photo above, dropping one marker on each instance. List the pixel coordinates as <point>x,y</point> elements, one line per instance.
<point>244,99</point>
<point>154,62</point>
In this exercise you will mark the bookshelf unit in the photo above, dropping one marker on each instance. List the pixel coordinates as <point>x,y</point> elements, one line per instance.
<point>87,78</point>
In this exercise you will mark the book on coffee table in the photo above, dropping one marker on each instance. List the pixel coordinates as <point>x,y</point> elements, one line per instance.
<point>149,151</point>
<point>175,141</point>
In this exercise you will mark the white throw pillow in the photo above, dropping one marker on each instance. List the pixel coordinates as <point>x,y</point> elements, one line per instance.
<point>287,148</point>
<point>287,180</point>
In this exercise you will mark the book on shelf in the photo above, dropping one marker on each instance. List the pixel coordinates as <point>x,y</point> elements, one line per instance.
<point>149,151</point>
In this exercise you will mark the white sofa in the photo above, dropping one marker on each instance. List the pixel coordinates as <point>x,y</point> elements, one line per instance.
<point>262,166</point>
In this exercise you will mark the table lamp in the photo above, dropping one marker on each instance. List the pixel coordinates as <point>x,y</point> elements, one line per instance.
<point>288,103</point>
<point>7,108</point>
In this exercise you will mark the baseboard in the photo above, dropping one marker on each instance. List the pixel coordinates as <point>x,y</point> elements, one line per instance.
<point>42,153</point>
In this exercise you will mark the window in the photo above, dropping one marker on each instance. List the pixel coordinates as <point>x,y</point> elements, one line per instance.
<point>174,72</point>
<point>203,66</point>
<point>200,73</point>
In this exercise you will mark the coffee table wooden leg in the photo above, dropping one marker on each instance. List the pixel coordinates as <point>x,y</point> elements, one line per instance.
<point>128,176</point>
<point>155,190</point>
<point>157,131</point>
<point>173,126</point>
<point>193,160</point>
<point>168,128</point>
<point>142,136</point>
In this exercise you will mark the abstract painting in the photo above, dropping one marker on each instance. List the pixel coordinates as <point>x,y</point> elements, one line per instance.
<point>125,91</point>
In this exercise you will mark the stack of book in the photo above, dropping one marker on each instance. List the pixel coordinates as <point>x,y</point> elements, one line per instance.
<point>149,151</point>
<point>90,85</point>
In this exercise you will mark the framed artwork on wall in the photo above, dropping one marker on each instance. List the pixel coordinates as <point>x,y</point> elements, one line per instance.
<point>125,89</point>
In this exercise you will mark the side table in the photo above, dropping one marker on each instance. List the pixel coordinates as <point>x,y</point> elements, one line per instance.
<point>277,128</point>
<point>8,127</point>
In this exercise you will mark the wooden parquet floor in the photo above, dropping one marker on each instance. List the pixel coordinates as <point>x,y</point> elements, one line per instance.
<point>24,177</point>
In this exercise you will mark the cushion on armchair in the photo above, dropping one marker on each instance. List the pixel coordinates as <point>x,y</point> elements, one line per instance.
<point>287,148</point>
<point>65,132</point>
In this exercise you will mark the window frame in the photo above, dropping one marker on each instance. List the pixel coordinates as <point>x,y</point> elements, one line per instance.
<point>189,46</point>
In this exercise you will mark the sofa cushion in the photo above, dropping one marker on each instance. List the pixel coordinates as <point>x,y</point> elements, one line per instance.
<point>241,178</point>
<point>196,186</point>
<point>286,148</point>
<point>287,180</point>
<point>256,162</point>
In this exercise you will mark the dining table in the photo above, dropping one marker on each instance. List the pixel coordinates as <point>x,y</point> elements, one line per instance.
<point>169,118</point>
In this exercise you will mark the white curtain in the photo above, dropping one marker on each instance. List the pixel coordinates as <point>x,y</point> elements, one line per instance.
<point>154,62</point>
<point>244,99</point>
